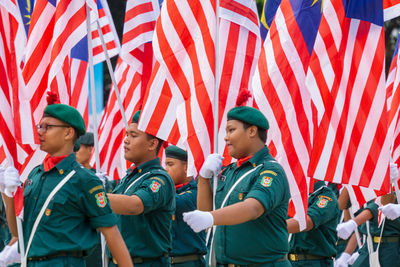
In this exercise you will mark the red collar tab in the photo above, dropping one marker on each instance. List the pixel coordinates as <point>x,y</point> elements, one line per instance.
<point>239,162</point>
<point>177,186</point>
<point>50,162</point>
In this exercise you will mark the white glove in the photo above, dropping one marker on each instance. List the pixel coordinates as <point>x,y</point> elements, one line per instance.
<point>342,260</point>
<point>12,255</point>
<point>344,230</point>
<point>2,185</point>
<point>353,258</point>
<point>198,220</point>
<point>391,211</point>
<point>394,172</point>
<point>11,181</point>
<point>212,166</point>
<point>102,176</point>
<point>3,256</point>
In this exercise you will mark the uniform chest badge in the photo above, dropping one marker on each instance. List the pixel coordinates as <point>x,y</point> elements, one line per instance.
<point>48,212</point>
<point>155,186</point>
<point>101,199</point>
<point>266,181</point>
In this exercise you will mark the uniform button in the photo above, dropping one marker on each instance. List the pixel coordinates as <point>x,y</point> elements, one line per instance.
<point>61,171</point>
<point>254,164</point>
<point>140,170</point>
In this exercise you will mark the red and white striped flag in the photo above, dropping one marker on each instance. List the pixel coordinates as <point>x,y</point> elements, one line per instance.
<point>280,92</point>
<point>109,33</point>
<point>55,28</point>
<point>181,91</point>
<point>346,79</point>
<point>391,9</point>
<point>132,74</point>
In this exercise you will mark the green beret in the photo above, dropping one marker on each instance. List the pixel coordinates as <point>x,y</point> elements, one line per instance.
<point>249,115</point>
<point>176,153</point>
<point>77,145</point>
<point>135,118</point>
<point>68,115</point>
<point>87,139</point>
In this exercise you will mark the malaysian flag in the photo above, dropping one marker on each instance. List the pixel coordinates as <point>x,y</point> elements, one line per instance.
<point>280,92</point>
<point>267,16</point>
<point>182,87</point>
<point>132,74</point>
<point>346,79</point>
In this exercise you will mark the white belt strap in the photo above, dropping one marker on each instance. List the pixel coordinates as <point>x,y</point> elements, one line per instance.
<point>44,207</point>
<point>134,182</point>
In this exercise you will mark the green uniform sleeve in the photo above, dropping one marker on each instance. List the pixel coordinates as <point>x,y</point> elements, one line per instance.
<point>323,208</point>
<point>154,193</point>
<point>96,204</point>
<point>268,189</point>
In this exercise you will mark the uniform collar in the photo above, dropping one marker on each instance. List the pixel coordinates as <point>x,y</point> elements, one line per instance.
<point>147,165</point>
<point>191,184</point>
<point>64,164</point>
<point>260,157</point>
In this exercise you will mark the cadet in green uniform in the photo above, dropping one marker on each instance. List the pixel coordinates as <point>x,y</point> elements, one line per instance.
<point>66,229</point>
<point>145,200</point>
<point>316,246</point>
<point>188,247</point>
<point>252,197</point>
<point>5,235</point>
<point>84,148</point>
<point>389,249</point>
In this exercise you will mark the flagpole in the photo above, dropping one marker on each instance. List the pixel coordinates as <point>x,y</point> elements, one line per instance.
<point>94,110</point>
<point>356,230</point>
<point>212,261</point>
<point>111,71</point>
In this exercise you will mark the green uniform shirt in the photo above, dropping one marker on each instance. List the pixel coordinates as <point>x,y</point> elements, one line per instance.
<point>391,227</point>
<point>266,238</point>
<point>77,209</point>
<point>184,240</point>
<point>5,235</point>
<point>148,234</point>
<point>323,208</point>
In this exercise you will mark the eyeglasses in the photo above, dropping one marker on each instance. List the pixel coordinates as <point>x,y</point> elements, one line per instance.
<point>43,127</point>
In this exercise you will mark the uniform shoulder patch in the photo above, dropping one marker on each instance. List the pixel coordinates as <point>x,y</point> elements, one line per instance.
<point>266,181</point>
<point>268,172</point>
<point>155,186</point>
<point>94,189</point>
<point>323,201</point>
<point>101,199</point>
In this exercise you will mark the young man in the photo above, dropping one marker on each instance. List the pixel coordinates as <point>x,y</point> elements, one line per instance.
<point>64,203</point>
<point>316,246</point>
<point>188,247</point>
<point>85,150</point>
<point>252,197</point>
<point>145,201</point>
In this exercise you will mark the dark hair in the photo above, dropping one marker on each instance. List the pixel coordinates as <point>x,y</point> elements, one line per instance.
<point>160,142</point>
<point>262,133</point>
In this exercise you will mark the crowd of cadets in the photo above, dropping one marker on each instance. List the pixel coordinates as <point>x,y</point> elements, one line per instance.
<point>160,217</point>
